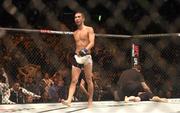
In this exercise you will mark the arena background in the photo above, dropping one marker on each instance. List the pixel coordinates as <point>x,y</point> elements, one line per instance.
<point>159,55</point>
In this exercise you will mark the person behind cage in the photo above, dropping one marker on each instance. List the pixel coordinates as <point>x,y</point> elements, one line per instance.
<point>4,88</point>
<point>56,91</point>
<point>45,84</point>
<point>29,70</point>
<point>131,82</point>
<point>19,95</point>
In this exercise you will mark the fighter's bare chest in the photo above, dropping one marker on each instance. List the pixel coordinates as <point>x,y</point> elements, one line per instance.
<point>81,35</point>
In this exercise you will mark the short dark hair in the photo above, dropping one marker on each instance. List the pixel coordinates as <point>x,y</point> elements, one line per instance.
<point>81,12</point>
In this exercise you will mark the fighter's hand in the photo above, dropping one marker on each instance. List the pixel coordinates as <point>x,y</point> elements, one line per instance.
<point>83,52</point>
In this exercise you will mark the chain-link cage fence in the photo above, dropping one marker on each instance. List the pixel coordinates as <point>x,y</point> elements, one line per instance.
<point>29,56</point>
<point>117,16</point>
<point>160,59</point>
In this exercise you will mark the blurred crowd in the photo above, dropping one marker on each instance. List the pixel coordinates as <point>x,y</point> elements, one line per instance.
<point>36,69</point>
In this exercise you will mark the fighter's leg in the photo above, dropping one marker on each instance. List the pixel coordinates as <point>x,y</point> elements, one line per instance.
<point>88,76</point>
<point>75,75</point>
<point>158,99</point>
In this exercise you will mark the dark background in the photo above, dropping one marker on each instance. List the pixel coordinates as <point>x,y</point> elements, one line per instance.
<point>126,15</point>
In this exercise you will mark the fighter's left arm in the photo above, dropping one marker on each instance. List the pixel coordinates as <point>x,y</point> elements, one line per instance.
<point>91,35</point>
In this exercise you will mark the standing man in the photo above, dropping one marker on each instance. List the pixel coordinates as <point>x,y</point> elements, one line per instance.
<point>131,82</point>
<point>84,40</point>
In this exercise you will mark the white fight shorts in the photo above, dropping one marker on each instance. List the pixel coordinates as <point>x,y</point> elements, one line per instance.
<point>83,60</point>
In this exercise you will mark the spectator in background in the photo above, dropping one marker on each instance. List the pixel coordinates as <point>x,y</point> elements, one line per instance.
<point>56,91</point>
<point>4,88</point>
<point>30,85</point>
<point>64,79</point>
<point>29,70</point>
<point>45,84</point>
<point>53,91</point>
<point>19,94</point>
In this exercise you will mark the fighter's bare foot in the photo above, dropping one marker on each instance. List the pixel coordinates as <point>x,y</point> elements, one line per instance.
<point>158,99</point>
<point>126,99</point>
<point>90,103</point>
<point>65,102</point>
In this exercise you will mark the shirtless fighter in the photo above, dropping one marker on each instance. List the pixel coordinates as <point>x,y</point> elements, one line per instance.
<point>84,40</point>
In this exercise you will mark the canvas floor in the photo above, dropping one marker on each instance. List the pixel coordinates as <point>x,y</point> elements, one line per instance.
<point>172,106</point>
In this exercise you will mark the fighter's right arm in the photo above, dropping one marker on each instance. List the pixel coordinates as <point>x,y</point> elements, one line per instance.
<point>146,87</point>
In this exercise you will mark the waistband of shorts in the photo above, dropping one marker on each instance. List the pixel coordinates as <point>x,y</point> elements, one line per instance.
<point>86,54</point>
